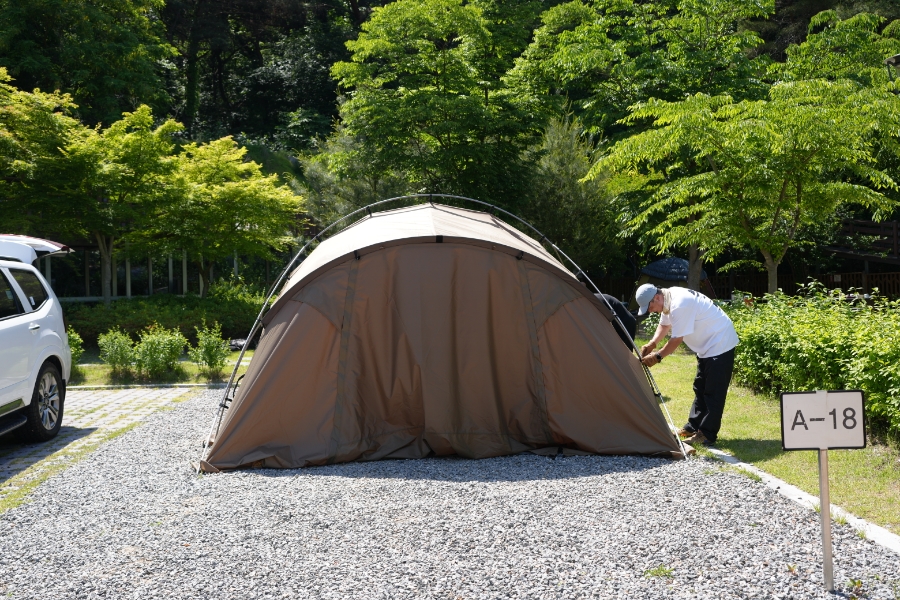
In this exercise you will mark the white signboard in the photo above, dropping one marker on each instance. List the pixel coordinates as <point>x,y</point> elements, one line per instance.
<point>822,420</point>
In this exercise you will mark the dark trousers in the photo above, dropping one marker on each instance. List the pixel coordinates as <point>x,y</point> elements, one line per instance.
<point>710,389</point>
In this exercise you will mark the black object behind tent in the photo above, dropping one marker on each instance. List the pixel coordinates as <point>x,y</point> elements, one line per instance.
<point>669,272</point>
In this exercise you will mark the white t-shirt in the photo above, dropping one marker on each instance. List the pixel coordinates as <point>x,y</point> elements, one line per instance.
<point>705,328</point>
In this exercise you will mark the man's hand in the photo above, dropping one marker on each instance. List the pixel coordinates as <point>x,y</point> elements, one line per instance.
<point>650,360</point>
<point>647,349</point>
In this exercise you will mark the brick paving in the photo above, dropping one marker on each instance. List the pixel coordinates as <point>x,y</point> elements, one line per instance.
<point>86,412</point>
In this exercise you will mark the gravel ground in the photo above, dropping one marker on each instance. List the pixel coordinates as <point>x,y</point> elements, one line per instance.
<point>133,521</point>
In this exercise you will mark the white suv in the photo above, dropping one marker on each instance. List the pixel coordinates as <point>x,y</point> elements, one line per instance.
<point>35,361</point>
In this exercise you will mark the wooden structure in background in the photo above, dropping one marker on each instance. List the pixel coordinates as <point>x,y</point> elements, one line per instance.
<point>874,242</point>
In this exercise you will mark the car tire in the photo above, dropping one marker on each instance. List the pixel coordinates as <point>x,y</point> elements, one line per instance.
<point>45,412</point>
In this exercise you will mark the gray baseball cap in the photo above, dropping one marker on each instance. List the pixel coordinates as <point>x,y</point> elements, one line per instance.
<point>644,296</point>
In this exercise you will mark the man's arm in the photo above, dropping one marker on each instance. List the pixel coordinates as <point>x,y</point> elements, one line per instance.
<point>661,332</point>
<point>670,346</point>
<point>649,357</point>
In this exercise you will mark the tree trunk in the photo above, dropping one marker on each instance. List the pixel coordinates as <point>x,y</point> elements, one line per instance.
<point>201,278</point>
<point>192,72</point>
<point>355,12</point>
<point>772,268</point>
<point>106,244</point>
<point>695,267</point>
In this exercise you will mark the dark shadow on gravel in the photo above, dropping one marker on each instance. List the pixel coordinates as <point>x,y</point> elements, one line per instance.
<point>23,454</point>
<point>458,469</point>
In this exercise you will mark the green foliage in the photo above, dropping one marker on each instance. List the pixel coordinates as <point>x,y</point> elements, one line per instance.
<point>606,55</point>
<point>576,214</point>
<point>116,350</point>
<point>76,345</point>
<point>33,127</point>
<point>752,173</point>
<point>852,48</point>
<point>105,53</point>
<point>233,306</point>
<point>337,180</point>
<point>823,340</point>
<point>659,571</point>
<point>424,101</point>
<point>117,175</point>
<point>211,352</point>
<point>158,350</point>
<point>219,204</point>
<point>259,70</point>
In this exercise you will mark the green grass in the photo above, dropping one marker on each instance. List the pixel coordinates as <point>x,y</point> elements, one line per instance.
<point>865,482</point>
<point>660,571</point>
<point>89,372</point>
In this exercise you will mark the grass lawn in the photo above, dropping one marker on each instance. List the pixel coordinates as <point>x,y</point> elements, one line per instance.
<point>91,371</point>
<point>866,482</point>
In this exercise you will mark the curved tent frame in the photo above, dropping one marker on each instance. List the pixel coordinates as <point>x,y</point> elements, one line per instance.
<point>579,274</point>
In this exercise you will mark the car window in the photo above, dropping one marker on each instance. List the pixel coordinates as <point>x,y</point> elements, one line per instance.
<point>31,285</point>
<point>9,301</point>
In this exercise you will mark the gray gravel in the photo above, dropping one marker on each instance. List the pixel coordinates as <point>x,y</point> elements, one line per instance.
<point>133,521</point>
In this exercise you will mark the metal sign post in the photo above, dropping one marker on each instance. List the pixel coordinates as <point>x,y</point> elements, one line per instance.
<point>822,421</point>
<point>825,519</point>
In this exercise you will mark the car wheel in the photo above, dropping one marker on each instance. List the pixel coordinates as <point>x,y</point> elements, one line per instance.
<point>45,412</point>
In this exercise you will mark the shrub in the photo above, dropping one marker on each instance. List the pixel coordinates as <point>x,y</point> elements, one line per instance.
<point>76,345</point>
<point>211,352</point>
<point>116,350</point>
<point>823,340</point>
<point>158,350</point>
<point>233,306</point>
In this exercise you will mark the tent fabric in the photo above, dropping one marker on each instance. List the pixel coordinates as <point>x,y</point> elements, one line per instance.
<point>669,269</point>
<point>478,344</point>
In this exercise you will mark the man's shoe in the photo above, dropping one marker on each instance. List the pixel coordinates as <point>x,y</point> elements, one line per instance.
<point>698,439</point>
<point>685,433</point>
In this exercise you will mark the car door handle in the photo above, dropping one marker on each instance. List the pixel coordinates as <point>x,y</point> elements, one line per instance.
<point>34,327</point>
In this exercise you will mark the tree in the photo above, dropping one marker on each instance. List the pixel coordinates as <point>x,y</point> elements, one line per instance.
<point>258,68</point>
<point>603,56</point>
<point>221,204</point>
<point>34,126</point>
<point>117,175</point>
<point>852,49</point>
<point>575,213</point>
<point>335,182</point>
<point>760,170</point>
<point>105,53</point>
<point>599,57</point>
<point>420,102</point>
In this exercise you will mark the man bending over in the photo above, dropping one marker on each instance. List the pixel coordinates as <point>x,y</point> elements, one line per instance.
<point>692,318</point>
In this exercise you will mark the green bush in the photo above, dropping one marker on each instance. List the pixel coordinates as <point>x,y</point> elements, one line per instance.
<point>233,306</point>
<point>76,345</point>
<point>116,350</point>
<point>158,350</point>
<point>211,352</point>
<point>823,340</point>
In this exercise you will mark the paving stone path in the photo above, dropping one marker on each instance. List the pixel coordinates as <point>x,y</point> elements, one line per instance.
<point>87,414</point>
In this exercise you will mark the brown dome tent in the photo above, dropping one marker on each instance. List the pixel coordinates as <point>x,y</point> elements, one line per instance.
<point>435,330</point>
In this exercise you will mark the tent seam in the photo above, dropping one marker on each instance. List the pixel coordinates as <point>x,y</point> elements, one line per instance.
<point>537,366</point>
<point>342,362</point>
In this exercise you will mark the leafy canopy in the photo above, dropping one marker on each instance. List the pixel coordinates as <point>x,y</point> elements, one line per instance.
<point>220,204</point>
<point>605,55</point>
<point>105,53</point>
<point>752,173</point>
<point>33,128</point>
<point>422,102</point>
